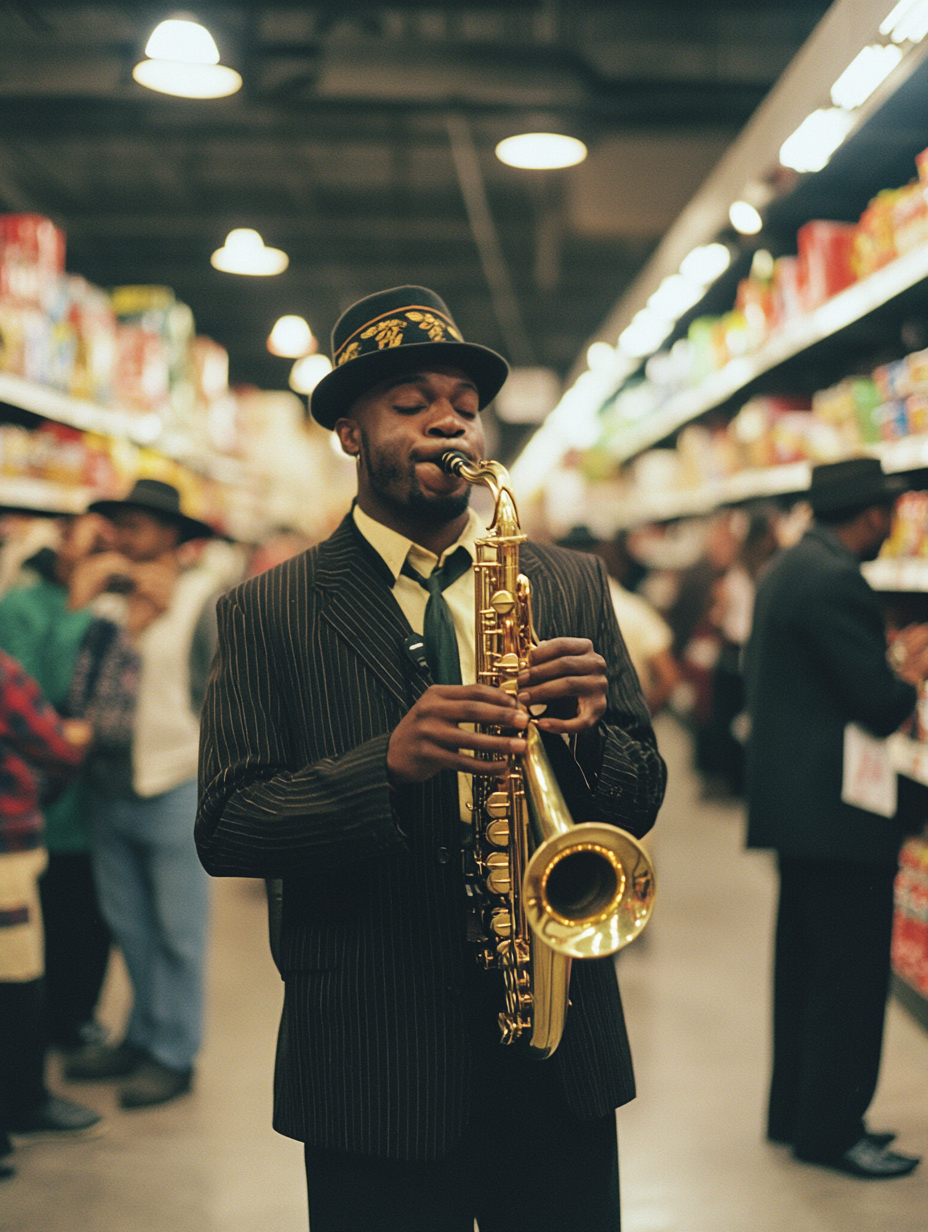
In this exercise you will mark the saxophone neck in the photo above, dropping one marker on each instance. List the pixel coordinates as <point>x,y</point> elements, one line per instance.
<point>492,475</point>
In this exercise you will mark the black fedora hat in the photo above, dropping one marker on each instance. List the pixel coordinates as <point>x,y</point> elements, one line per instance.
<point>398,331</point>
<point>161,499</point>
<point>852,484</point>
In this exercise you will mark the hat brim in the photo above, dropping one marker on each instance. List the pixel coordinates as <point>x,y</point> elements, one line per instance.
<point>333,396</point>
<point>190,528</point>
<point>832,498</point>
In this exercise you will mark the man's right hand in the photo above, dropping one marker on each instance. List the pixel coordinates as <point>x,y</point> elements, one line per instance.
<point>429,738</point>
<point>91,576</point>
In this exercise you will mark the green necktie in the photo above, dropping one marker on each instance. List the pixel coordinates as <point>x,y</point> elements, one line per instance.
<point>441,642</point>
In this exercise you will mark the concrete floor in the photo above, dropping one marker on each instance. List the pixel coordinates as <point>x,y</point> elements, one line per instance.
<point>693,1158</point>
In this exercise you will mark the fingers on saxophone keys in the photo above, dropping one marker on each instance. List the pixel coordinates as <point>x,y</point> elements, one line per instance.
<point>483,743</point>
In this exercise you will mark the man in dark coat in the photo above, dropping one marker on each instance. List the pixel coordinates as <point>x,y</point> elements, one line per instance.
<point>330,759</point>
<point>816,673</point>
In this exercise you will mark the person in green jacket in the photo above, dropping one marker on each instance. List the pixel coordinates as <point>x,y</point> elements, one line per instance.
<point>40,629</point>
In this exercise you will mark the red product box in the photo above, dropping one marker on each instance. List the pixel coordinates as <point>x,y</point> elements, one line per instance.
<point>141,374</point>
<point>910,926</point>
<point>785,292</point>
<point>825,253</point>
<point>31,257</point>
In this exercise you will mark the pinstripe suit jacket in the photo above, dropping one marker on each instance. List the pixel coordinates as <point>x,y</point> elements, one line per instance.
<point>311,677</point>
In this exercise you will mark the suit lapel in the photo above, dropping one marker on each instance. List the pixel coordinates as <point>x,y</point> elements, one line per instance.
<point>359,605</point>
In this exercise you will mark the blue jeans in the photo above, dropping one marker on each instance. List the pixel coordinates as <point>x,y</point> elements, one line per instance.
<point>154,896</point>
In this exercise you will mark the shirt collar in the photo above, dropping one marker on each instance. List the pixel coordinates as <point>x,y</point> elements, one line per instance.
<point>394,548</point>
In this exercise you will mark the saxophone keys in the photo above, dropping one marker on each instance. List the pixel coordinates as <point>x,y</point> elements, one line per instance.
<point>499,880</point>
<point>497,832</point>
<point>502,602</point>
<point>497,804</point>
<point>501,923</point>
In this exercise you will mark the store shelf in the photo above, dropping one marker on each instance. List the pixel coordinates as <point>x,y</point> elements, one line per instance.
<point>746,485</point>
<point>144,430</point>
<point>901,576</point>
<point>851,305</point>
<point>43,495</point>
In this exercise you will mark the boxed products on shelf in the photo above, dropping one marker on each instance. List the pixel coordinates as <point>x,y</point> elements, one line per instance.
<point>825,262</point>
<point>133,350</point>
<point>831,256</point>
<point>910,925</point>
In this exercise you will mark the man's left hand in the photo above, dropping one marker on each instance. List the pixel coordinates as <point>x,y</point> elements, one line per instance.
<point>566,669</point>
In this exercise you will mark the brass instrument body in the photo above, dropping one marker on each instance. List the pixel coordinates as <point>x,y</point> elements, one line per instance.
<point>542,890</point>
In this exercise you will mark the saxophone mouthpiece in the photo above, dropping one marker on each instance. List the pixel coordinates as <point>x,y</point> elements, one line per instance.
<point>452,460</point>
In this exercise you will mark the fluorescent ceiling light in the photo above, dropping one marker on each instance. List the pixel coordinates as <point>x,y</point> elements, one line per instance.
<point>908,22</point>
<point>599,356</point>
<point>541,151</point>
<point>869,68</point>
<point>291,338</point>
<point>811,146</point>
<point>244,253</point>
<point>705,263</point>
<point>184,61</point>
<point>307,373</point>
<point>744,218</point>
<point>674,296</point>
<point>644,335</point>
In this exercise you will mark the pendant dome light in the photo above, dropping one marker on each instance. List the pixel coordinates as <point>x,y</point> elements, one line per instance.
<point>183,60</point>
<point>244,252</point>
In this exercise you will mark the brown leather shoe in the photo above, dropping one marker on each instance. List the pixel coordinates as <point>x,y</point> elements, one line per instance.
<point>154,1083</point>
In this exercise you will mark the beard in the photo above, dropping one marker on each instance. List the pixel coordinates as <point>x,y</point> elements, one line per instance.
<point>394,480</point>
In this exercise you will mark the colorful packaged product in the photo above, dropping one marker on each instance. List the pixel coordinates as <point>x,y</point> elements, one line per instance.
<point>31,257</point>
<point>825,260</point>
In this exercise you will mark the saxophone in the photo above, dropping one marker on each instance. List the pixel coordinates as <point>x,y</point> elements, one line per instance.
<point>541,889</point>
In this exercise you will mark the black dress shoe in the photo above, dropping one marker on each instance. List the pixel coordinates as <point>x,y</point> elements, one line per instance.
<point>58,1118</point>
<point>154,1083</point>
<point>870,1162</point>
<point>880,1139</point>
<point>97,1062</point>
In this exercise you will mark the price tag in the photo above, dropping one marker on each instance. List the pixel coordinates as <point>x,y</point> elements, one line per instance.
<point>869,780</point>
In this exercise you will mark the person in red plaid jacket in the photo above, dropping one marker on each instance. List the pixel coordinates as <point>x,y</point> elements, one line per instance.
<point>38,752</point>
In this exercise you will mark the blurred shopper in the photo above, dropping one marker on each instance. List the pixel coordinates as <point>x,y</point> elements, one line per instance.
<point>43,631</point>
<point>34,743</point>
<point>818,682</point>
<point>647,635</point>
<point>722,752</point>
<point>152,889</point>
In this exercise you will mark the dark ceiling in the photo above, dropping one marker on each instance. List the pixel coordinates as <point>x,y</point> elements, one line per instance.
<point>358,133</point>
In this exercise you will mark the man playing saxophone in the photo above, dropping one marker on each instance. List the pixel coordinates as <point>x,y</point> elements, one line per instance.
<point>338,741</point>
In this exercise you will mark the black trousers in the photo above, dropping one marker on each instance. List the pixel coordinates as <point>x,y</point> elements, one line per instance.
<point>525,1164</point>
<point>22,1054</point>
<point>831,980</point>
<point>77,946</point>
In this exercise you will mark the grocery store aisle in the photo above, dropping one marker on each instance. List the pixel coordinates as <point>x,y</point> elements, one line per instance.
<point>693,1159</point>
<point>696,990</point>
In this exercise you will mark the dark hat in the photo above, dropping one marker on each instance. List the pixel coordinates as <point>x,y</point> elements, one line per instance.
<point>394,332</point>
<point>581,538</point>
<point>851,484</point>
<point>161,499</point>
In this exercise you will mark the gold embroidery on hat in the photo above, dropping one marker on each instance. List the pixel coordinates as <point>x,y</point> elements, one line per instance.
<point>388,333</point>
<point>436,329</point>
<point>349,353</point>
